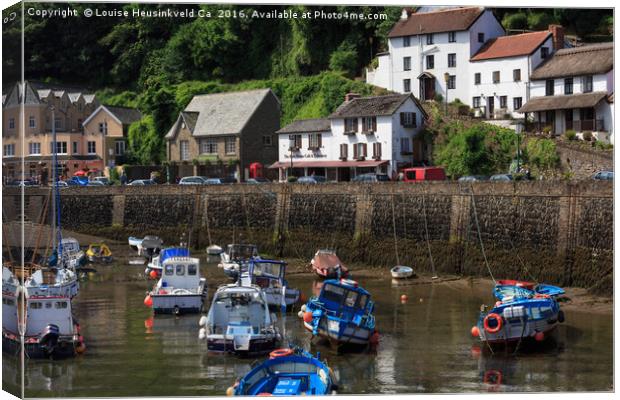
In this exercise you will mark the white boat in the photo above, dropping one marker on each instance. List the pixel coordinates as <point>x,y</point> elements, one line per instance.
<point>239,322</point>
<point>180,289</point>
<point>10,292</point>
<point>135,243</point>
<point>154,267</point>
<point>214,250</point>
<point>72,254</point>
<point>269,276</point>
<point>53,282</point>
<point>148,247</point>
<point>401,272</point>
<point>235,256</point>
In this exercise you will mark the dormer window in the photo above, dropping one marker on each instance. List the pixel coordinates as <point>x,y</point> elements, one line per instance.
<point>544,52</point>
<point>481,37</point>
<point>429,39</point>
<point>406,41</point>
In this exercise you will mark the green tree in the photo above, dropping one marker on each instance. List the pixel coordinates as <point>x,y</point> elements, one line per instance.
<point>344,59</point>
<point>464,154</point>
<point>515,21</point>
<point>145,145</point>
<point>542,155</point>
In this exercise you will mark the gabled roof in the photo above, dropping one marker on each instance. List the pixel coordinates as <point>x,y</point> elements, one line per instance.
<point>373,106</point>
<point>13,98</point>
<point>307,126</point>
<point>74,96</point>
<point>560,102</point>
<point>190,118</point>
<point>44,93</point>
<point>511,46</point>
<point>122,115</point>
<point>584,60</point>
<point>89,98</point>
<point>455,19</point>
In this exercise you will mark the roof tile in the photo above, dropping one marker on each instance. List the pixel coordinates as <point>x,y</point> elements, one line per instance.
<point>455,19</point>
<point>511,46</point>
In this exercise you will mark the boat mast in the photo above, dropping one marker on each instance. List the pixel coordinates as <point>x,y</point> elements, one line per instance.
<point>57,236</point>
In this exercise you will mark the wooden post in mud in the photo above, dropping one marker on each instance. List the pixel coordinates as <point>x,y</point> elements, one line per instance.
<point>283,207</point>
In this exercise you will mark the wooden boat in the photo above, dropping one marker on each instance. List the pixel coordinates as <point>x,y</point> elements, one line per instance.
<point>401,272</point>
<point>239,322</point>
<point>235,256</point>
<point>326,264</point>
<point>99,252</point>
<point>287,372</point>
<point>342,314</point>
<point>180,290</point>
<point>269,276</point>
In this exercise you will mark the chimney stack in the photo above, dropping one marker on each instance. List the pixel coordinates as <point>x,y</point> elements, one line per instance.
<point>558,36</point>
<point>350,96</point>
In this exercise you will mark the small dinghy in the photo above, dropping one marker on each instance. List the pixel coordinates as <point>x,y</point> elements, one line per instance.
<point>99,252</point>
<point>287,372</point>
<point>326,264</point>
<point>401,272</point>
<point>214,250</point>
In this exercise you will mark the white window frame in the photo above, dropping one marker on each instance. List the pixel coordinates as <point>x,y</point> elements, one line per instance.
<point>313,140</point>
<point>34,148</point>
<point>208,146</point>
<point>122,145</point>
<point>103,127</point>
<point>8,150</point>
<point>230,145</point>
<point>92,150</point>
<point>32,122</point>
<point>184,150</point>
<point>59,145</point>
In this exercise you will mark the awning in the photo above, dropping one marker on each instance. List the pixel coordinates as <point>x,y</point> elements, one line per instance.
<point>562,102</point>
<point>328,164</point>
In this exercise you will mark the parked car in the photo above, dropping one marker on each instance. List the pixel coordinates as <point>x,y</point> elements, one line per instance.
<point>25,183</point>
<point>604,176</point>
<point>416,174</point>
<point>78,181</point>
<point>473,178</point>
<point>103,179</point>
<point>61,184</point>
<point>141,182</point>
<point>95,183</point>
<point>501,178</point>
<point>219,181</point>
<point>258,180</point>
<point>311,179</point>
<point>192,180</point>
<point>371,177</point>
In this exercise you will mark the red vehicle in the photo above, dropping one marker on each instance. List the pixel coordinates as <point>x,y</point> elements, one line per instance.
<point>424,174</point>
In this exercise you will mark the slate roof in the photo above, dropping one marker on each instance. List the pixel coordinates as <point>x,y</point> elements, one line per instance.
<point>511,46</point>
<point>307,125</point>
<point>584,60</point>
<point>581,100</point>
<point>74,96</point>
<point>13,97</point>
<point>373,106</point>
<point>190,118</point>
<point>89,98</point>
<point>455,19</point>
<point>124,114</point>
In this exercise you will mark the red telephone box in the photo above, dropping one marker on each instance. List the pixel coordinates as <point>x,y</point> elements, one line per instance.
<point>256,170</point>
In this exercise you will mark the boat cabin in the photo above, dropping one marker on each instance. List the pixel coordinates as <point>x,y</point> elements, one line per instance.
<point>43,311</point>
<point>264,274</point>
<point>180,272</point>
<point>70,245</point>
<point>241,251</point>
<point>238,306</point>
<point>344,295</point>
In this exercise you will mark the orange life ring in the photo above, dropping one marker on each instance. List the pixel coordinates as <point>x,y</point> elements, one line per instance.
<point>497,328</point>
<point>492,377</point>
<point>280,353</point>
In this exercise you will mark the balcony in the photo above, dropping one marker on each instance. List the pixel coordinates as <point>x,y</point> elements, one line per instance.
<point>586,125</point>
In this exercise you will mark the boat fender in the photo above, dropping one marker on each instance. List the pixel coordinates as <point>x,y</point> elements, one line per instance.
<point>148,301</point>
<point>374,339</point>
<point>307,317</point>
<point>303,307</point>
<point>561,316</point>
<point>280,353</point>
<point>475,332</point>
<point>497,327</point>
<point>176,310</point>
<point>230,391</point>
<point>202,334</point>
<point>539,336</point>
<point>202,321</point>
<point>264,394</point>
<point>81,346</point>
<point>153,274</point>
<point>300,314</point>
<point>492,377</point>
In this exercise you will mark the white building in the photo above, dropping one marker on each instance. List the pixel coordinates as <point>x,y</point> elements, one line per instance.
<point>573,90</point>
<point>371,134</point>
<point>431,51</point>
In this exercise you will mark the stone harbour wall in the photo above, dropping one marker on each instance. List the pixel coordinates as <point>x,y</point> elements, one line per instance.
<point>554,231</point>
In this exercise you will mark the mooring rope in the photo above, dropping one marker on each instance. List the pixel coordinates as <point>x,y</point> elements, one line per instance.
<point>473,202</point>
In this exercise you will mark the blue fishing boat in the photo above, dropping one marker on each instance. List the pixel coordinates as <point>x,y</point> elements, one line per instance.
<point>287,372</point>
<point>522,313</point>
<point>342,314</point>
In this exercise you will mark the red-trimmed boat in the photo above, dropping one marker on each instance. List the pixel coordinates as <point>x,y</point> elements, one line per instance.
<point>327,265</point>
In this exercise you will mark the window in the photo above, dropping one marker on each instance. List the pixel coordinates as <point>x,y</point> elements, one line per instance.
<point>350,124</point>
<point>35,305</point>
<point>349,301</point>
<point>404,145</point>
<point>549,87</point>
<point>103,128</point>
<point>208,146</point>
<point>74,147</point>
<point>61,147</point>
<point>503,101</point>
<point>406,85</point>
<point>31,121</point>
<point>407,63</point>
<point>516,75</point>
<point>192,269</point>
<point>568,86</point>
<point>369,124</point>
<point>544,52</point>
<point>476,102</point>
<point>451,37</point>
<point>517,102</point>
<point>430,62</point>
<point>429,39</point>
<point>60,304</point>
<point>406,41</point>
<point>477,78</point>
<point>119,147</point>
<point>58,123</point>
<point>267,140</point>
<point>314,141</point>
<point>376,151</point>
<point>495,76</point>
<point>48,304</point>
<point>34,148</point>
<point>11,123</point>
<point>294,142</point>
<point>481,37</point>
<point>408,119</point>
<point>9,150</point>
<point>451,60</point>
<point>452,82</point>
<point>359,150</point>
<point>184,148</point>
<point>344,151</point>
<point>169,270</point>
<point>180,269</point>
<point>230,145</point>
<point>92,147</point>
<point>587,84</point>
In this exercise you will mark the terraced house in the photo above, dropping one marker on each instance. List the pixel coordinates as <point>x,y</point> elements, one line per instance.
<point>71,107</point>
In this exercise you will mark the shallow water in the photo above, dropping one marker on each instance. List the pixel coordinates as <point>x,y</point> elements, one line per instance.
<point>425,346</point>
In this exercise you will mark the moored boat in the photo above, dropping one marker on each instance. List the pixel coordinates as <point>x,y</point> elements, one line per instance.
<point>287,372</point>
<point>401,272</point>
<point>239,322</point>
<point>326,264</point>
<point>342,314</point>
<point>269,276</point>
<point>214,250</point>
<point>154,267</point>
<point>236,257</point>
<point>72,255</point>
<point>148,246</point>
<point>52,281</point>
<point>99,252</point>
<point>180,290</point>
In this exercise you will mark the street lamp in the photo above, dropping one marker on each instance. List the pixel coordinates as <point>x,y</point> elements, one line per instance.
<point>518,130</point>
<point>446,78</point>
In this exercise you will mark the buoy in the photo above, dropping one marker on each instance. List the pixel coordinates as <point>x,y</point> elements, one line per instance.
<point>230,391</point>
<point>307,317</point>
<point>404,298</point>
<point>539,336</point>
<point>148,301</point>
<point>280,353</point>
<point>153,274</point>
<point>148,323</point>
<point>561,316</point>
<point>300,314</point>
<point>303,308</point>
<point>81,347</point>
<point>302,298</point>
<point>374,339</point>
<point>475,332</point>
<point>202,333</point>
<point>202,321</point>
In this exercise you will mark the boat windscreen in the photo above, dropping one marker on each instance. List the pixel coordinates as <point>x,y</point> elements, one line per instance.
<point>502,291</point>
<point>333,293</point>
<point>267,268</point>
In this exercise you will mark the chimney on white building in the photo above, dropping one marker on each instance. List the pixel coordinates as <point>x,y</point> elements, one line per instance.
<point>404,15</point>
<point>558,36</point>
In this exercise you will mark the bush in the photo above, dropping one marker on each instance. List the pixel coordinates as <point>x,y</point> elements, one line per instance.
<point>344,59</point>
<point>515,21</point>
<point>291,179</point>
<point>587,136</point>
<point>536,21</point>
<point>570,134</point>
<point>603,146</point>
<point>114,176</point>
<point>542,155</point>
<point>546,130</point>
<point>438,98</point>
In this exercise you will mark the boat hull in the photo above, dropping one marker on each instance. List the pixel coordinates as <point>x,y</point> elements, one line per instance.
<point>351,335</point>
<point>177,304</point>
<point>257,346</point>
<point>65,348</point>
<point>274,298</point>
<point>401,273</point>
